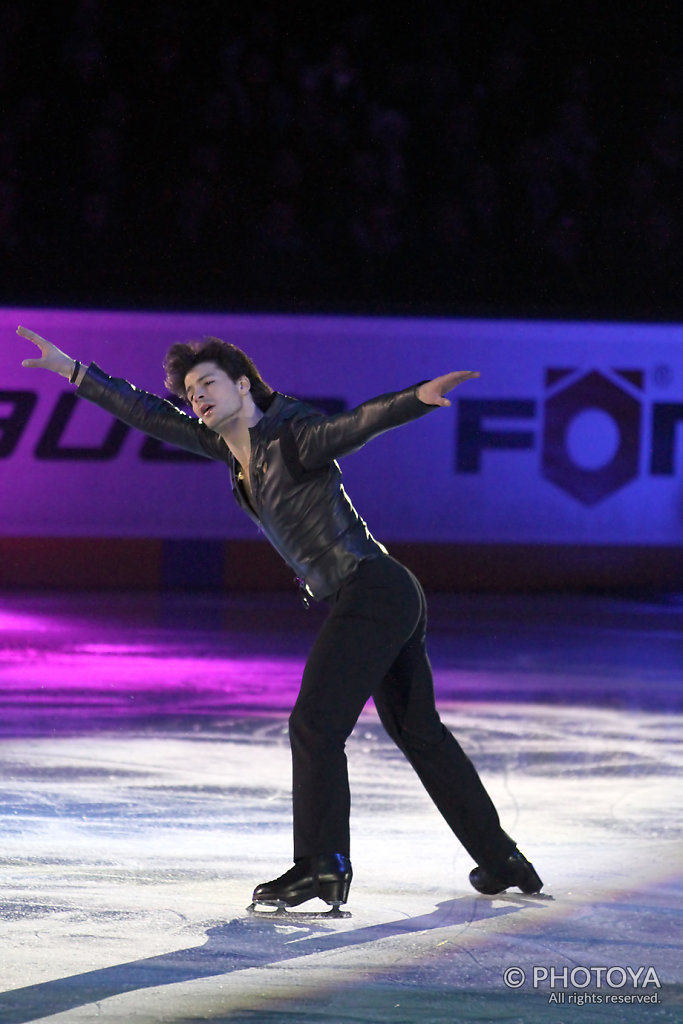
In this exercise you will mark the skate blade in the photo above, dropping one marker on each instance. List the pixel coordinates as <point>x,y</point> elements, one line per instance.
<point>280,912</point>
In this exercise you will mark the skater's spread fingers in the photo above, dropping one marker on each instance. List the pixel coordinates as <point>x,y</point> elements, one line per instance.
<point>24,332</point>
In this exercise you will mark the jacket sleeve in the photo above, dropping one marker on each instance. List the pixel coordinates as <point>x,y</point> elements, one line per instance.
<point>151,414</point>
<point>320,440</point>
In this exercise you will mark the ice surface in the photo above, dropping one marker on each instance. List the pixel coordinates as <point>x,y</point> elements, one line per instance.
<point>146,790</point>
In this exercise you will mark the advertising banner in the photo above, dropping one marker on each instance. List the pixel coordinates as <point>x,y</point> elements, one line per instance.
<point>573,433</point>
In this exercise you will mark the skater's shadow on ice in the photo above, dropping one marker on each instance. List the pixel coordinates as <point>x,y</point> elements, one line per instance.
<point>237,945</point>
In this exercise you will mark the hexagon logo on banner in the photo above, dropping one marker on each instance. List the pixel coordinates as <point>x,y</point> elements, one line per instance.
<point>592,392</point>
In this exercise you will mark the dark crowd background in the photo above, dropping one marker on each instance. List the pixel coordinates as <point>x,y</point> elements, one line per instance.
<point>433,157</point>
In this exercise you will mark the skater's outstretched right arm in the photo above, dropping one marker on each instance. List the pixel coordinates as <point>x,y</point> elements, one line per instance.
<point>149,413</point>
<point>52,358</point>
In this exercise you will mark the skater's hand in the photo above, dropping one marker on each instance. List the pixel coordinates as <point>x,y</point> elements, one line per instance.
<point>51,358</point>
<point>432,392</point>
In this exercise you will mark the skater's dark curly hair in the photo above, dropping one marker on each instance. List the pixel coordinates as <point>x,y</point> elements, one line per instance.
<point>184,355</point>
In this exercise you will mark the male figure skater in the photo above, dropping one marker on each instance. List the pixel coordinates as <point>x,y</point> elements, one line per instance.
<point>281,454</point>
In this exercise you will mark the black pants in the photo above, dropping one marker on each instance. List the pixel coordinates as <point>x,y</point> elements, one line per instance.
<point>373,645</point>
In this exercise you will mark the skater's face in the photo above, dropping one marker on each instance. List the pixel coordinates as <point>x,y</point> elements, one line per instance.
<point>214,396</point>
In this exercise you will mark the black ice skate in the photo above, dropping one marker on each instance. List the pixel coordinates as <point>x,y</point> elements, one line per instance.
<point>325,876</point>
<point>516,871</point>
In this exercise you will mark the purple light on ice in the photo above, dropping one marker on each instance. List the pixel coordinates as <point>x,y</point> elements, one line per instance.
<point>70,691</point>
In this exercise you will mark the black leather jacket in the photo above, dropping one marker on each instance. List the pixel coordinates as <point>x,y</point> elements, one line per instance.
<point>298,499</point>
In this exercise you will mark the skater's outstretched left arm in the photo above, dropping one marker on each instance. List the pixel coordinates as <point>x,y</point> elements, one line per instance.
<point>318,440</point>
<point>433,392</point>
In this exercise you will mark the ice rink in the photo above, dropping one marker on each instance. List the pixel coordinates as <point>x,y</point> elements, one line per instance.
<point>146,790</point>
